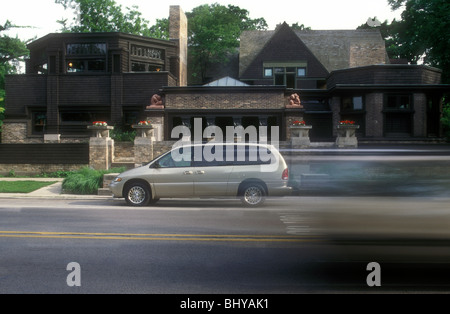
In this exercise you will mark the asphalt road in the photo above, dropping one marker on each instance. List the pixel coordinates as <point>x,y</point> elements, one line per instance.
<point>289,246</point>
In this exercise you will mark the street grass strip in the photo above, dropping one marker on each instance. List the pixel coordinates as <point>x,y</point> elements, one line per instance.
<point>22,186</point>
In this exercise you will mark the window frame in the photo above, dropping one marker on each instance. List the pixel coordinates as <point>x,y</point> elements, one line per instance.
<point>285,73</point>
<point>85,57</point>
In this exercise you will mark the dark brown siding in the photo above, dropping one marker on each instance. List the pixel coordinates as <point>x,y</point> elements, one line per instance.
<point>386,74</point>
<point>24,90</point>
<point>139,88</point>
<point>84,90</point>
<point>44,154</point>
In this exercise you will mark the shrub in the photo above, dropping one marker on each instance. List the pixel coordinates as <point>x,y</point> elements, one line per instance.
<point>55,174</point>
<point>446,119</point>
<point>86,180</point>
<point>120,135</point>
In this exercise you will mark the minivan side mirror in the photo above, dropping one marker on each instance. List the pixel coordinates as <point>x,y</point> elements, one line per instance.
<point>155,165</point>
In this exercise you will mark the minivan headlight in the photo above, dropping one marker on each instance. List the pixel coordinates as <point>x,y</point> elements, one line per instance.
<point>118,179</point>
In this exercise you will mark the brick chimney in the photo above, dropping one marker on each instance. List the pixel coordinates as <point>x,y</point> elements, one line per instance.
<point>178,32</point>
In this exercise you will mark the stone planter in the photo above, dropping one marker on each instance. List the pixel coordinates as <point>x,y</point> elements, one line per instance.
<point>100,131</point>
<point>300,135</point>
<point>346,137</point>
<point>143,130</point>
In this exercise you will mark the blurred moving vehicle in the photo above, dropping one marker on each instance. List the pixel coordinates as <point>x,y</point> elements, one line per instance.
<point>250,172</point>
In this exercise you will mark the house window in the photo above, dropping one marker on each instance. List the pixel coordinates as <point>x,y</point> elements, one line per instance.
<point>268,72</point>
<point>352,103</point>
<point>86,49</point>
<point>86,57</point>
<point>285,73</point>
<point>75,121</point>
<point>39,120</point>
<point>398,115</point>
<point>285,76</point>
<point>399,102</point>
<point>94,65</point>
<point>145,67</point>
<point>41,68</point>
<point>301,72</point>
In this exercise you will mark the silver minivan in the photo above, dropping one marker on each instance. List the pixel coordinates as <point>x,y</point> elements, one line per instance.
<point>250,172</point>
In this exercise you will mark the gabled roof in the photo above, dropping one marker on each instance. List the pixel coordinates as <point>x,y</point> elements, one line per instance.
<point>226,81</point>
<point>283,46</point>
<point>335,49</point>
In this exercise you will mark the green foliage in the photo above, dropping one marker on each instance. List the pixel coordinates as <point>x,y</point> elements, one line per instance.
<point>86,180</point>
<point>120,135</point>
<point>422,34</point>
<point>214,32</point>
<point>446,118</point>
<point>22,186</point>
<point>2,112</point>
<point>103,16</point>
<point>301,27</point>
<point>12,51</point>
<point>55,174</point>
<point>160,29</point>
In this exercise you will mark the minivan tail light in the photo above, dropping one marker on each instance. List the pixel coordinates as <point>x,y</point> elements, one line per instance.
<point>285,174</point>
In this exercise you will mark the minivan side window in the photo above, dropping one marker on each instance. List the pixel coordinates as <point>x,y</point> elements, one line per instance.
<point>252,156</point>
<point>167,161</point>
<point>218,155</point>
<point>213,156</point>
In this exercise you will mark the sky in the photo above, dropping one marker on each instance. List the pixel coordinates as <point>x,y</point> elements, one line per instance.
<point>319,15</point>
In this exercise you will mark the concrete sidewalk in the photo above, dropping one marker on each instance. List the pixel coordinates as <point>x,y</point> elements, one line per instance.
<point>53,191</point>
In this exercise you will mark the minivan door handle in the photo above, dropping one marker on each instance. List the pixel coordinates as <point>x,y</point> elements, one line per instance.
<point>188,172</point>
<point>200,172</point>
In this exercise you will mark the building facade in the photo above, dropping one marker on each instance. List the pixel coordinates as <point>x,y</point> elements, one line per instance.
<point>75,79</point>
<point>339,75</point>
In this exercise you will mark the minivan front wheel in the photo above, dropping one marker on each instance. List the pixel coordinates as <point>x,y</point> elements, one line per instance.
<point>137,194</point>
<point>253,195</point>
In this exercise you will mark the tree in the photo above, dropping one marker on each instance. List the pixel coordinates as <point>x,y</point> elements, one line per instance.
<point>422,34</point>
<point>301,27</point>
<point>12,52</point>
<point>214,32</point>
<point>103,16</point>
<point>160,29</point>
<point>390,33</point>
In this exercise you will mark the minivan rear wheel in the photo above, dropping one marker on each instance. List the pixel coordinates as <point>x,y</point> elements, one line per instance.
<point>253,195</point>
<point>137,194</point>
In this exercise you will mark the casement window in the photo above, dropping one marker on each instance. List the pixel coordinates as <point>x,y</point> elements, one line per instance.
<point>75,120</point>
<point>86,57</point>
<point>352,103</point>
<point>398,115</point>
<point>285,73</point>
<point>146,59</point>
<point>398,102</point>
<point>39,121</point>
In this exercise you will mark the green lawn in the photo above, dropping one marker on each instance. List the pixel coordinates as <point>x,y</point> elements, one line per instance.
<point>22,186</point>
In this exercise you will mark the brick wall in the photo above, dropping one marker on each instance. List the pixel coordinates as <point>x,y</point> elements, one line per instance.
<point>123,150</point>
<point>374,114</point>
<point>178,31</point>
<point>420,114</point>
<point>225,100</point>
<point>362,54</point>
